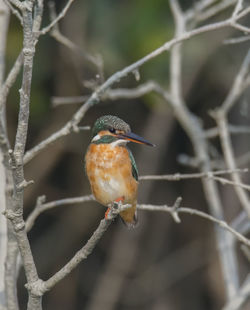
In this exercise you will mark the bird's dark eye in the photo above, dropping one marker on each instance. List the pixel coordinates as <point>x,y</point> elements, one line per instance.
<point>112,130</point>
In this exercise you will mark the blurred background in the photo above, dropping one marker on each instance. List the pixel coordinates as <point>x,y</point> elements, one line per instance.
<point>159,265</point>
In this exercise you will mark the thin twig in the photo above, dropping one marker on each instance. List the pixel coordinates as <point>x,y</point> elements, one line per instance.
<point>114,94</point>
<point>201,214</point>
<point>57,19</point>
<point>240,298</point>
<point>11,78</point>
<point>95,97</point>
<point>86,250</point>
<point>59,37</point>
<point>238,8</point>
<point>233,129</point>
<point>195,131</point>
<point>42,207</point>
<point>201,11</point>
<point>14,11</point>
<point>179,176</point>
<point>220,117</point>
<point>57,101</point>
<point>237,40</point>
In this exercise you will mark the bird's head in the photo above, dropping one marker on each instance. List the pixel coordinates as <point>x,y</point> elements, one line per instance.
<point>112,129</point>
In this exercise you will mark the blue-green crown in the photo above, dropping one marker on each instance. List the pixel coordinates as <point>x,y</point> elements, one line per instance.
<point>109,122</point>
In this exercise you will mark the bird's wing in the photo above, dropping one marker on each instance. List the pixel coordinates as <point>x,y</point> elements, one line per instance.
<point>133,165</point>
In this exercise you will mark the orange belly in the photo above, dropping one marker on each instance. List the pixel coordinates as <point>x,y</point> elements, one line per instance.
<point>110,174</point>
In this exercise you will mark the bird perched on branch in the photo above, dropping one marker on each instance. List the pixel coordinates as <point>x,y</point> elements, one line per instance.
<point>110,165</point>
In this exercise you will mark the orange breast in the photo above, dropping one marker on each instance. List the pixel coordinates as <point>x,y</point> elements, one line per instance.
<point>110,174</point>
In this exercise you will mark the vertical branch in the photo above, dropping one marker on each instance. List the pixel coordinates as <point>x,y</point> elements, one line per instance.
<point>4,23</point>
<point>3,233</point>
<point>220,116</point>
<point>175,55</point>
<point>196,134</point>
<point>15,210</point>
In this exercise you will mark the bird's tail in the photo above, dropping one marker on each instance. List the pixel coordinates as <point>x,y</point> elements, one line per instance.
<point>129,217</point>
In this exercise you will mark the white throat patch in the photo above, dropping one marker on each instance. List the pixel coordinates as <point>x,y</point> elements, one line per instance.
<point>97,137</point>
<point>119,142</point>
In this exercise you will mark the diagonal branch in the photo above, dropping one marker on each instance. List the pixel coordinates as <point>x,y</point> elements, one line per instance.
<point>57,19</point>
<point>220,117</point>
<point>97,95</point>
<point>198,213</point>
<point>86,250</point>
<point>42,207</point>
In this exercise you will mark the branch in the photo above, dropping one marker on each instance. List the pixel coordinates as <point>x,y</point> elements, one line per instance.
<point>195,132</point>
<point>64,131</point>
<point>57,101</point>
<point>57,19</point>
<point>202,11</point>
<point>238,8</point>
<point>214,132</point>
<point>21,5</point>
<point>95,97</point>
<point>56,34</point>
<point>14,11</point>
<point>179,176</point>
<point>86,250</point>
<point>42,207</point>
<point>38,14</point>
<point>11,78</point>
<point>240,298</point>
<point>201,214</point>
<point>237,40</point>
<point>14,210</point>
<point>220,117</point>
<point>118,93</point>
<point>174,210</point>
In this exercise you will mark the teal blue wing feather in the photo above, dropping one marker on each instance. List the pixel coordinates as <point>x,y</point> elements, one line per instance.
<point>133,165</point>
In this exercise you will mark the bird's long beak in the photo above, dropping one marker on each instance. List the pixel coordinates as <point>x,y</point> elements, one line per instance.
<point>134,138</point>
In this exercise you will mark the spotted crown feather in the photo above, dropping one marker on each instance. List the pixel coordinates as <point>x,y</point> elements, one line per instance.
<point>109,121</point>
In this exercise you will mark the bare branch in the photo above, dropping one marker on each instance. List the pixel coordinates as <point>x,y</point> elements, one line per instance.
<point>237,40</point>
<point>41,207</point>
<point>14,11</point>
<point>57,101</point>
<point>57,19</point>
<point>141,90</point>
<point>241,27</point>
<point>238,8</point>
<point>86,250</point>
<point>21,5</point>
<point>64,131</point>
<point>59,37</point>
<point>118,93</point>
<point>179,176</point>
<point>11,78</point>
<point>202,11</point>
<point>240,298</point>
<point>220,117</point>
<point>38,14</point>
<point>233,129</point>
<point>230,161</point>
<point>204,215</point>
<point>95,97</point>
<point>194,130</point>
<point>224,181</point>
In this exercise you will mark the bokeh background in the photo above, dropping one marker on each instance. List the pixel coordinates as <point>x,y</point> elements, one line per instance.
<point>159,265</point>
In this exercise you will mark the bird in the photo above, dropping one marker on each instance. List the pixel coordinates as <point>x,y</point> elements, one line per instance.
<point>110,166</point>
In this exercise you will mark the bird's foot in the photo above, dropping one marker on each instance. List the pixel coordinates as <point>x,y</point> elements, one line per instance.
<point>114,206</point>
<point>107,214</point>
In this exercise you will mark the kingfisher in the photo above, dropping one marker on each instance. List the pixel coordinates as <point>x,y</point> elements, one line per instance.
<point>111,167</point>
